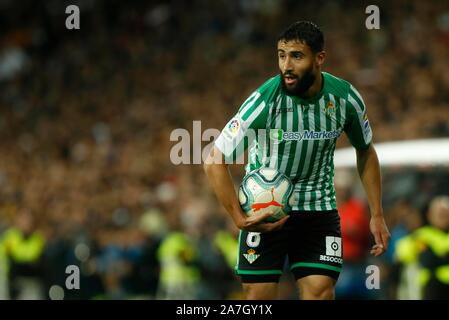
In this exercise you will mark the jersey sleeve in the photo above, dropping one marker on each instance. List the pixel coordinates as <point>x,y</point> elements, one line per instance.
<point>357,125</point>
<point>242,129</point>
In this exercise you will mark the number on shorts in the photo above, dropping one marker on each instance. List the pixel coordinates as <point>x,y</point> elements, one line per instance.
<point>253,239</point>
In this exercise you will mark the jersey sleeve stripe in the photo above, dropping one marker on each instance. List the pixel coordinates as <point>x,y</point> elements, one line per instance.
<point>360,114</point>
<point>249,102</point>
<point>357,95</point>
<point>250,107</point>
<point>359,108</point>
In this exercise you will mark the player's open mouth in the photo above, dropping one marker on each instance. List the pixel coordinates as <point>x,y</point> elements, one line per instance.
<point>289,80</point>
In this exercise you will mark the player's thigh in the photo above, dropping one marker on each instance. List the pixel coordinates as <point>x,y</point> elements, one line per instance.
<point>316,287</point>
<point>260,263</point>
<point>315,248</point>
<point>260,291</point>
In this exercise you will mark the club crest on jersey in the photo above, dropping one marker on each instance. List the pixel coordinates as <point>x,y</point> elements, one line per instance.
<point>329,109</point>
<point>251,255</point>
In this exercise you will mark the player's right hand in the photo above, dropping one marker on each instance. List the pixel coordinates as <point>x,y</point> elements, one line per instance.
<point>256,223</point>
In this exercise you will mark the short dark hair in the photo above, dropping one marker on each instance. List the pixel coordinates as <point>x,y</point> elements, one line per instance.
<point>304,31</point>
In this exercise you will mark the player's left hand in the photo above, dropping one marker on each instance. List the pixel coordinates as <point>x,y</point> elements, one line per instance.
<point>381,235</point>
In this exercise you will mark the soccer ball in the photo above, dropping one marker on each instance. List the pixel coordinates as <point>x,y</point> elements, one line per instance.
<point>266,190</point>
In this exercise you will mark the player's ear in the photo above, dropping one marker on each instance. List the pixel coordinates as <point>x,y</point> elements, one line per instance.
<point>320,57</point>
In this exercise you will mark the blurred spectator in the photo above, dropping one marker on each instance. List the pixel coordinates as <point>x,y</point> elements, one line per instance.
<point>403,219</point>
<point>23,246</point>
<point>198,257</point>
<point>216,260</point>
<point>179,276</point>
<point>354,220</point>
<point>425,253</point>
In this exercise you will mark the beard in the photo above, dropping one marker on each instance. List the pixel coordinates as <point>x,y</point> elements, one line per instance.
<point>302,84</point>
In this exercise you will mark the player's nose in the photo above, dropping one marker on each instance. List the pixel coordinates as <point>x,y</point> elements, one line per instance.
<point>287,66</point>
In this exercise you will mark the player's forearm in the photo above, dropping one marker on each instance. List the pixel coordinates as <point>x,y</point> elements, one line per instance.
<point>369,172</point>
<point>221,182</point>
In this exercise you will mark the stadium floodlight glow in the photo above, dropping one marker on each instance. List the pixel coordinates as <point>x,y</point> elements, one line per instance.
<point>407,153</point>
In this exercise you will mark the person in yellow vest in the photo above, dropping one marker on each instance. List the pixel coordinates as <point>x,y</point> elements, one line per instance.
<point>197,248</point>
<point>23,246</point>
<point>179,275</point>
<point>424,255</point>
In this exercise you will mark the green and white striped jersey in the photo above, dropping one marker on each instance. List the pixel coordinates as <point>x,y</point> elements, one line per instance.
<point>298,136</point>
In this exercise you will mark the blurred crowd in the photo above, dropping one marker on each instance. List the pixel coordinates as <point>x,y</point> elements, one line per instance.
<point>86,117</point>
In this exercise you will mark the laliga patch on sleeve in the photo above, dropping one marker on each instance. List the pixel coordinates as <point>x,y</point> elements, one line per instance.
<point>232,129</point>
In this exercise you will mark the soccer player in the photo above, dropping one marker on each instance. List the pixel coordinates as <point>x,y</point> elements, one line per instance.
<point>303,111</point>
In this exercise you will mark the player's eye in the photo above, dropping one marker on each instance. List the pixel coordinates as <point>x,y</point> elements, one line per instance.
<point>297,56</point>
<point>281,56</point>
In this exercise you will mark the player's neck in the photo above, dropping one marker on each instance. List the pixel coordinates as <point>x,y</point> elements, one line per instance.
<point>315,88</point>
